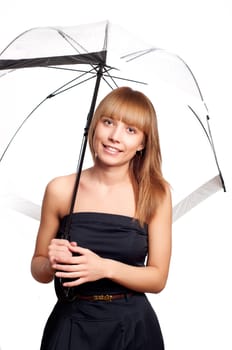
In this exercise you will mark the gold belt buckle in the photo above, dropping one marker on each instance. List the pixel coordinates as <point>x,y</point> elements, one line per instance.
<point>106,297</point>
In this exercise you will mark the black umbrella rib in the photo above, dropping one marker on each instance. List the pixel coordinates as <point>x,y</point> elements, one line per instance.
<point>73,69</point>
<point>137,54</point>
<point>57,92</point>
<point>70,40</point>
<point>105,75</point>
<point>113,77</point>
<point>210,139</point>
<point>129,80</point>
<point>20,127</point>
<point>133,55</point>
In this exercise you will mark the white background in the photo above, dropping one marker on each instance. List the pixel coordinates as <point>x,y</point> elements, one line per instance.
<point>195,308</point>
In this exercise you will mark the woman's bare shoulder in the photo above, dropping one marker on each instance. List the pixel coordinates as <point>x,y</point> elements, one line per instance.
<point>59,192</point>
<point>59,182</point>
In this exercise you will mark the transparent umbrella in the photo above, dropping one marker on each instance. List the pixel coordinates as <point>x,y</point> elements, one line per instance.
<point>51,80</point>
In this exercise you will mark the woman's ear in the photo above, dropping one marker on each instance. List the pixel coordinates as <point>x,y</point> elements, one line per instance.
<point>140,148</point>
<point>139,151</point>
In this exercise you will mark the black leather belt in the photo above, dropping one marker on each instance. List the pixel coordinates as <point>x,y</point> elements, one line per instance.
<point>103,297</point>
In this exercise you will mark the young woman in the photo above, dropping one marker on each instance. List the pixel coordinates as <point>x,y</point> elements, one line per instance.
<point>120,235</point>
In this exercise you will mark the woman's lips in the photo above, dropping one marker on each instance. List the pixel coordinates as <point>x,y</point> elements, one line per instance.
<point>111,149</point>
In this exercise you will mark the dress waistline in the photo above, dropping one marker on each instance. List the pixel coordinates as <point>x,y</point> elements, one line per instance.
<point>103,297</point>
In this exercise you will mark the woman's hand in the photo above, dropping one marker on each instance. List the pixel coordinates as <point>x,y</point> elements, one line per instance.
<point>77,263</point>
<point>59,251</point>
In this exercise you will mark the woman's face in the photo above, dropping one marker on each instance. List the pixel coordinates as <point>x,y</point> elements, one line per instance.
<point>116,143</point>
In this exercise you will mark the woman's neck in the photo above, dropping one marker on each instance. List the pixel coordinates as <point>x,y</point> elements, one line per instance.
<point>109,176</point>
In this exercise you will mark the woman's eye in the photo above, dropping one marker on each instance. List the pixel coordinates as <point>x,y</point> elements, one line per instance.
<point>131,130</point>
<point>107,121</point>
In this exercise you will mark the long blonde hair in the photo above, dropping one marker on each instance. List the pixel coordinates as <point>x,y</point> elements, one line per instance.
<point>134,108</point>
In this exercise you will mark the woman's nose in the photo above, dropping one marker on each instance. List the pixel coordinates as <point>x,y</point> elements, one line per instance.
<point>115,134</point>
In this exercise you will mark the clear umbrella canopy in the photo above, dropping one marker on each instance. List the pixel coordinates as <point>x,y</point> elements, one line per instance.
<point>51,79</point>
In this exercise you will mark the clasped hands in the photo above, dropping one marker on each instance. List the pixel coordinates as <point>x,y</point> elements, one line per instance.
<point>79,264</point>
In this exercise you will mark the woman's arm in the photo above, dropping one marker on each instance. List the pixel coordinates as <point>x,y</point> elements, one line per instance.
<point>152,278</point>
<point>47,248</point>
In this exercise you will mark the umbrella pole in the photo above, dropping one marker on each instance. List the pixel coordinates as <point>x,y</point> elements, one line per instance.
<point>62,292</point>
<point>66,234</point>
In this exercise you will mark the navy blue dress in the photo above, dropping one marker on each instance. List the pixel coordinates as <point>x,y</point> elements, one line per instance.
<point>129,323</point>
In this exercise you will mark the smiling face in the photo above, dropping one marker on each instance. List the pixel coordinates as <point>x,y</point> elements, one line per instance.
<point>125,122</point>
<point>115,142</point>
